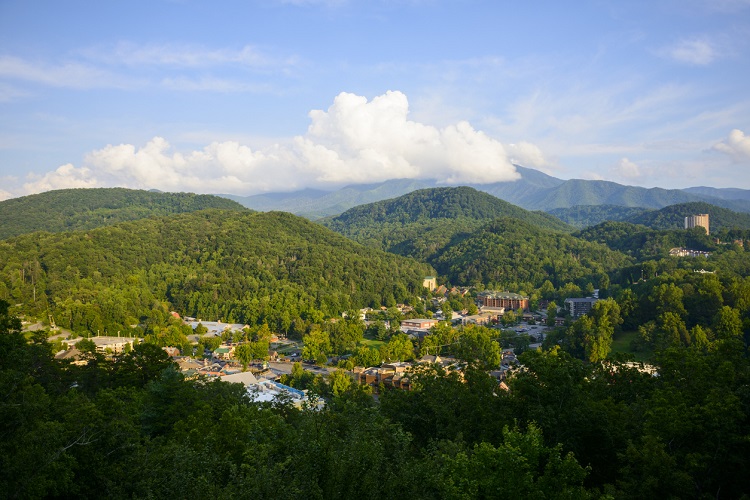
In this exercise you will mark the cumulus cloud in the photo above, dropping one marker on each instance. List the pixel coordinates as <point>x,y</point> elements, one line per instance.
<point>527,154</point>
<point>64,177</point>
<point>737,145</point>
<point>353,141</point>
<point>696,51</point>
<point>5,195</point>
<point>626,169</point>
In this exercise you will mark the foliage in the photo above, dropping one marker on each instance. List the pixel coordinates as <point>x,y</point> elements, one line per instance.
<point>271,268</point>
<point>79,209</point>
<point>582,216</point>
<point>673,217</point>
<point>136,427</point>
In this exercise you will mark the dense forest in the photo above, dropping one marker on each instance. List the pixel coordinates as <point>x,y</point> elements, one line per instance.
<point>71,209</point>
<point>518,256</point>
<point>237,267</point>
<point>670,217</point>
<point>455,203</point>
<point>574,419</point>
<point>673,217</point>
<point>472,238</point>
<point>565,428</point>
<point>583,216</point>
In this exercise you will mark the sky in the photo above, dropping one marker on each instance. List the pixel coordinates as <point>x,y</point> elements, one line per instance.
<point>245,97</point>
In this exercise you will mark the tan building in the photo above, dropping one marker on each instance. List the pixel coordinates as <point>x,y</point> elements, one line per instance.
<point>700,220</point>
<point>506,300</point>
<point>430,282</point>
<point>418,323</point>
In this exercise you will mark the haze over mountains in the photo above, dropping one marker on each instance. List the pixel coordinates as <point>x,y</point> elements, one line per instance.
<point>534,191</point>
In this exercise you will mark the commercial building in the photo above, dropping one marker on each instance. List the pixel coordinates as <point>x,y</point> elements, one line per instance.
<point>505,300</point>
<point>580,306</point>
<point>700,220</point>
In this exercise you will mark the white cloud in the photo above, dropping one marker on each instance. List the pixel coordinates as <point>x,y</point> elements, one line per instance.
<point>5,195</point>
<point>697,51</point>
<point>354,141</point>
<point>187,56</point>
<point>213,84</point>
<point>527,154</point>
<point>69,75</point>
<point>64,177</point>
<point>626,169</point>
<point>737,145</point>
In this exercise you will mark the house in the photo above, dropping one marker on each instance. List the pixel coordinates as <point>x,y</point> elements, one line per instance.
<point>171,351</point>
<point>224,352</point>
<point>579,306</point>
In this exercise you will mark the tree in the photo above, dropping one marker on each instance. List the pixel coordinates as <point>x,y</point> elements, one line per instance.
<point>200,329</point>
<point>399,348</point>
<point>590,336</point>
<point>476,346</point>
<point>210,343</point>
<point>340,382</point>
<point>317,345</point>
<point>244,354</point>
<point>727,323</point>
<point>509,318</point>
<point>366,356</point>
<point>551,313</point>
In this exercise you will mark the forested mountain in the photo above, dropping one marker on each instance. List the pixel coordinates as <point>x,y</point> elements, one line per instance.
<point>642,242</point>
<point>673,217</point>
<point>472,237</point>
<point>315,204</point>
<point>71,209</point>
<point>231,266</point>
<point>535,190</point>
<point>721,193</point>
<point>429,205</point>
<point>512,254</point>
<point>581,216</point>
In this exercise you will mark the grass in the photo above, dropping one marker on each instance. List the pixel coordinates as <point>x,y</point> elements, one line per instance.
<point>371,343</point>
<point>621,343</point>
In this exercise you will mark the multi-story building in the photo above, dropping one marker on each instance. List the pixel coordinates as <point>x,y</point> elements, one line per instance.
<point>700,220</point>
<point>579,306</point>
<point>506,300</point>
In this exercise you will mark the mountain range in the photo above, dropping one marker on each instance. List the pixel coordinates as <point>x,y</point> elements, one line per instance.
<point>535,190</point>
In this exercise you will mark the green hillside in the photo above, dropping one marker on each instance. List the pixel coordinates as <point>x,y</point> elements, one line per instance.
<point>513,254</point>
<point>581,216</point>
<point>227,265</point>
<point>455,203</point>
<point>642,242</point>
<point>472,237</point>
<point>673,217</point>
<point>71,209</point>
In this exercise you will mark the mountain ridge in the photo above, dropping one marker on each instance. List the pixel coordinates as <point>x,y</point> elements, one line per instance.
<point>90,208</point>
<point>535,190</point>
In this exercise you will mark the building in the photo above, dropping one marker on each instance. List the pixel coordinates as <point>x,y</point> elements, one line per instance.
<point>112,344</point>
<point>700,220</point>
<point>580,306</point>
<point>509,301</point>
<point>686,252</point>
<point>430,282</point>
<point>418,324</point>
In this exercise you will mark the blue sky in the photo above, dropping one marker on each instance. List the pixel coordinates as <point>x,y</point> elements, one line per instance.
<point>250,96</point>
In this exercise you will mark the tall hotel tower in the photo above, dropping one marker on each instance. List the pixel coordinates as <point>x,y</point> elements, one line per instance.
<point>701,220</point>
